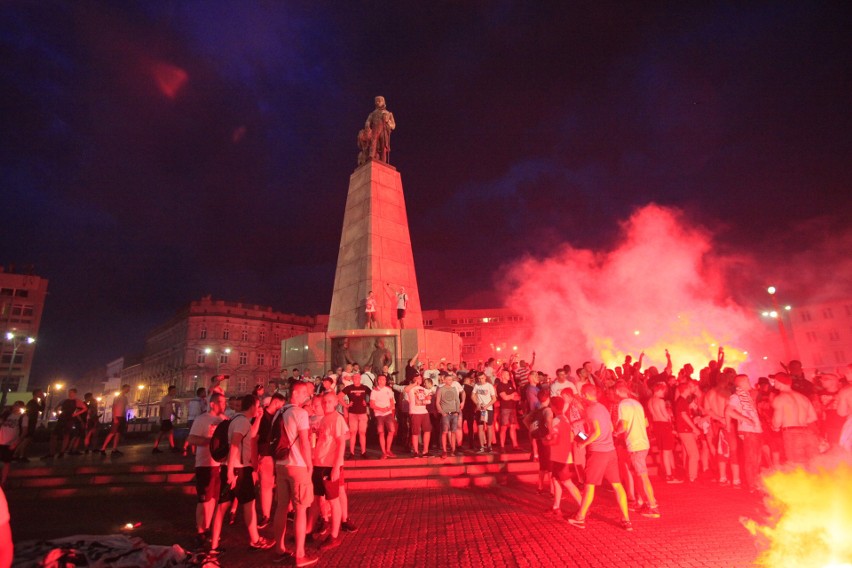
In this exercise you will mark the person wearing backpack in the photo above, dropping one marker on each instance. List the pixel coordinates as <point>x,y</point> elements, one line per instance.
<point>266,463</point>
<point>12,426</point>
<point>207,477</point>
<point>293,471</point>
<point>238,475</point>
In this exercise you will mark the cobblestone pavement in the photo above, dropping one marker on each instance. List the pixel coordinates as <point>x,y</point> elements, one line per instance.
<point>499,526</point>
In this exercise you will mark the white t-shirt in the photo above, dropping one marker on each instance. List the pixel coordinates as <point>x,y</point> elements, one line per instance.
<point>195,408</point>
<point>371,305</point>
<point>636,435</point>
<point>751,412</point>
<point>431,374</point>
<point>242,425</point>
<point>556,387</point>
<point>483,392</point>
<point>401,301</point>
<point>295,419</point>
<point>204,426</point>
<point>119,406</point>
<point>383,397</point>
<point>418,398</point>
<point>167,407</point>
<point>368,379</point>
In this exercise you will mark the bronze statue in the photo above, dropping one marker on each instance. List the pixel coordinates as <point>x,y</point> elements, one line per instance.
<point>374,138</point>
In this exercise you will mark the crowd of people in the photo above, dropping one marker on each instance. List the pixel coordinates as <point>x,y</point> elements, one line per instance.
<point>287,442</point>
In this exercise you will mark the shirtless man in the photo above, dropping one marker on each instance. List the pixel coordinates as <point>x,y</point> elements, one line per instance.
<point>794,415</point>
<point>714,403</point>
<point>661,420</point>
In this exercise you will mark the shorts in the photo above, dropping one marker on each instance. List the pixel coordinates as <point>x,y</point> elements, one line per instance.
<point>31,424</point>
<point>6,454</point>
<point>562,471</point>
<point>420,423</point>
<point>449,422</point>
<point>508,416</point>
<point>323,485</point>
<point>243,491</point>
<point>665,435</point>
<point>357,422</point>
<point>294,485</point>
<point>486,417</point>
<point>166,426</point>
<point>63,427</point>
<point>386,424</point>
<point>600,466</point>
<point>207,483</point>
<point>639,461</point>
<point>119,426</point>
<point>400,314</point>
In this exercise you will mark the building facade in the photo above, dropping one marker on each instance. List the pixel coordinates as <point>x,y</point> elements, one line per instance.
<point>485,333</point>
<point>22,298</point>
<point>823,334</point>
<point>210,337</point>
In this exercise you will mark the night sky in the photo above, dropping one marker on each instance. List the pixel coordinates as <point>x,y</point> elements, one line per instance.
<point>157,152</point>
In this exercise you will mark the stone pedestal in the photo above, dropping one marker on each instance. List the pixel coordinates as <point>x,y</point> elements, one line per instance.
<point>375,250</point>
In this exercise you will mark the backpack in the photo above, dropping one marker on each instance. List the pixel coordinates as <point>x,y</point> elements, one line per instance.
<point>219,445</point>
<point>279,441</point>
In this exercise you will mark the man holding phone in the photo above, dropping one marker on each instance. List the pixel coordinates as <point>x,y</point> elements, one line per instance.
<point>601,460</point>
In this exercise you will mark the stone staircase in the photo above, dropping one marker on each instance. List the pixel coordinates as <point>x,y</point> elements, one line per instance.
<point>139,472</point>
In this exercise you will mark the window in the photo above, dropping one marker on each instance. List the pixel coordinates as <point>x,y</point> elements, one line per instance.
<point>203,334</point>
<point>243,358</point>
<point>834,335</point>
<point>275,360</point>
<point>262,335</point>
<point>223,358</point>
<point>275,337</point>
<point>226,333</point>
<point>260,358</point>
<point>469,348</point>
<point>22,293</point>
<point>427,323</point>
<point>812,336</point>
<point>827,314</point>
<point>241,384</point>
<point>201,358</point>
<point>806,315</point>
<point>243,335</point>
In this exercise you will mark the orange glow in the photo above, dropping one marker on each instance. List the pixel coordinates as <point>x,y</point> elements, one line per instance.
<point>170,78</point>
<point>810,516</point>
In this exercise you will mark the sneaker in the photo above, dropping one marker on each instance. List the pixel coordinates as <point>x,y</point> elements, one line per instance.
<point>443,455</point>
<point>262,544</point>
<point>383,457</point>
<point>176,450</point>
<point>650,512</point>
<point>672,479</point>
<point>348,456</point>
<point>390,454</point>
<point>201,540</point>
<point>216,551</point>
<point>331,543</point>
<point>156,451</point>
<point>737,484</point>
<point>553,511</point>
<point>627,525</point>
<point>482,450</point>
<point>285,558</point>
<point>306,560</point>
<point>116,453</point>
<point>347,526</point>
<point>263,522</point>
<point>575,522</point>
<point>48,457</point>
<point>102,452</point>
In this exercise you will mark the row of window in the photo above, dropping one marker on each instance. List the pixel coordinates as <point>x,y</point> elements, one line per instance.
<point>813,337</point>
<point>244,335</point>
<point>827,313</point>
<point>18,293</point>
<point>839,358</point>
<point>242,357</point>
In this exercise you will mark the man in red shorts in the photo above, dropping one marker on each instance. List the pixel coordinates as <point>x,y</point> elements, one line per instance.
<point>601,460</point>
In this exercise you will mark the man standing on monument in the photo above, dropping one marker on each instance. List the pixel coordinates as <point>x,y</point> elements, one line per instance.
<point>371,310</point>
<point>378,127</point>
<point>401,304</point>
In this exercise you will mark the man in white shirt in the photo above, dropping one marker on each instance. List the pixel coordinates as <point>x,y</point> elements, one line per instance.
<point>167,427</point>
<point>484,396</point>
<point>293,474</point>
<point>119,422</point>
<point>742,407</point>
<point>418,399</point>
<point>207,478</point>
<point>382,402</point>
<point>561,383</point>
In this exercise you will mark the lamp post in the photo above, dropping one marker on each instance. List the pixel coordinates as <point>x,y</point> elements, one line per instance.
<point>16,341</point>
<point>777,314</point>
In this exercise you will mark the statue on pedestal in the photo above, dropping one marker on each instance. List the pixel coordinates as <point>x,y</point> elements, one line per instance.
<point>374,138</point>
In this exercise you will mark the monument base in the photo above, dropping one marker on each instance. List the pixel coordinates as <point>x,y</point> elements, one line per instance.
<point>321,351</point>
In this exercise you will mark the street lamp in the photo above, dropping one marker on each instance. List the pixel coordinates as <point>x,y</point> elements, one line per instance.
<point>16,341</point>
<point>777,315</point>
<point>49,406</point>
<point>219,354</point>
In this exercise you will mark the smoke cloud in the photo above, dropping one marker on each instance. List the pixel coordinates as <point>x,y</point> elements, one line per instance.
<point>661,286</point>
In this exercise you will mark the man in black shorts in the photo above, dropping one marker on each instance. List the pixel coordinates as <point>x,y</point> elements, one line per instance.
<point>34,409</point>
<point>167,428</point>
<point>237,477</point>
<point>207,478</point>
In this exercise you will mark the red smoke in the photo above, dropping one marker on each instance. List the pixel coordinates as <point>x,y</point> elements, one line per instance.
<point>662,286</point>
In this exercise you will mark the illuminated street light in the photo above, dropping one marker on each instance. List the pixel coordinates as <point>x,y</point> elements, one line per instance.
<point>773,314</point>
<point>771,290</point>
<point>776,314</point>
<point>16,341</point>
<point>765,314</point>
<point>788,308</point>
